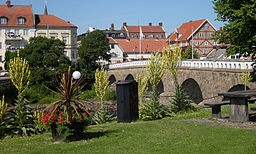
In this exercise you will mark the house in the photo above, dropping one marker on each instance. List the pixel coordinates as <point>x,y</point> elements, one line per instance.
<point>197,34</point>
<point>53,27</point>
<point>18,24</point>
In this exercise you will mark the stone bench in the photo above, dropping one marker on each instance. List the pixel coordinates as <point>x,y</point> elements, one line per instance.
<point>216,108</point>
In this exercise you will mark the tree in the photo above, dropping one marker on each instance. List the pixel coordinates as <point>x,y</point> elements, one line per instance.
<point>94,47</point>
<point>240,28</point>
<point>187,54</point>
<point>46,59</point>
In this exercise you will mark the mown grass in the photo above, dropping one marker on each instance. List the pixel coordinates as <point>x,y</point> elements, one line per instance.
<point>168,135</point>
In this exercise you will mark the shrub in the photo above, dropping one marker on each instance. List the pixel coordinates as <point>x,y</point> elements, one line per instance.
<point>110,96</point>
<point>87,94</point>
<point>181,102</point>
<point>35,93</point>
<point>49,99</point>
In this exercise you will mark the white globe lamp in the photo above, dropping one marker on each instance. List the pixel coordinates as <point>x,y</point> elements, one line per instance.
<point>76,75</point>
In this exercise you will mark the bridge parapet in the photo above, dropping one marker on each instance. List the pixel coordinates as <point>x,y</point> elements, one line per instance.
<point>241,65</point>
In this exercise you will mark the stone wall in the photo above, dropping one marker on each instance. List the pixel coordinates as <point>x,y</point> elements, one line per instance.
<point>201,84</point>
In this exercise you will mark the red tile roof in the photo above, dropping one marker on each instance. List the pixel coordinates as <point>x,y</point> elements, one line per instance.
<point>15,11</point>
<point>186,30</point>
<point>146,45</point>
<point>111,40</point>
<point>145,29</point>
<point>51,20</point>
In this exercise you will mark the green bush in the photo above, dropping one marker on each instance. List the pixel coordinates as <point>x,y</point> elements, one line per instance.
<point>87,94</point>
<point>110,96</point>
<point>181,102</point>
<point>10,93</point>
<point>49,99</point>
<point>35,93</point>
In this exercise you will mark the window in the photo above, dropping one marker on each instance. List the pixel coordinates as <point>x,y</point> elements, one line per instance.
<point>16,31</point>
<point>214,43</point>
<point>3,20</point>
<point>201,34</point>
<point>150,36</point>
<point>113,35</point>
<point>52,37</point>
<point>21,20</point>
<point>121,34</point>
<point>197,50</point>
<point>0,45</point>
<point>206,27</point>
<point>113,54</point>
<point>197,43</point>
<point>205,51</point>
<point>65,39</point>
<point>1,58</point>
<point>8,31</point>
<point>73,54</point>
<point>134,36</point>
<point>25,32</point>
<point>159,36</point>
<point>205,43</point>
<point>65,53</point>
<point>112,46</point>
<point>209,35</point>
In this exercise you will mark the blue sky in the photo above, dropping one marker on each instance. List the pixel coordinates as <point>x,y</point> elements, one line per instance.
<point>101,13</point>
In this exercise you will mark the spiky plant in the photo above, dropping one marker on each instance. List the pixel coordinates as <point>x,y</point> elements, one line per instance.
<point>3,107</point>
<point>67,89</point>
<point>142,86</point>
<point>246,78</point>
<point>101,87</point>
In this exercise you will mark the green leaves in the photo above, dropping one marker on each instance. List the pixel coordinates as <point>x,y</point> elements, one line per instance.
<point>239,30</point>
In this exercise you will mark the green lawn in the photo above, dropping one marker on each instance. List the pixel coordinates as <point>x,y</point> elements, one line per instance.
<point>160,136</point>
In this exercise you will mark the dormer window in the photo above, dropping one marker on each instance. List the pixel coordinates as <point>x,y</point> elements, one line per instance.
<point>121,34</point>
<point>150,36</point>
<point>21,20</point>
<point>134,35</point>
<point>159,36</point>
<point>3,20</point>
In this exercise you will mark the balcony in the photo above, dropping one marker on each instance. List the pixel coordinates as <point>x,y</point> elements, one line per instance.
<point>12,37</point>
<point>12,49</point>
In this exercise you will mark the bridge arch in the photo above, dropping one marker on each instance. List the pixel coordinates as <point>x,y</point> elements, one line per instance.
<point>193,90</point>
<point>237,87</point>
<point>129,77</point>
<point>159,88</point>
<point>112,79</point>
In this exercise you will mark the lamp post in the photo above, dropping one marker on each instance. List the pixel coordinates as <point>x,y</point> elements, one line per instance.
<point>76,75</point>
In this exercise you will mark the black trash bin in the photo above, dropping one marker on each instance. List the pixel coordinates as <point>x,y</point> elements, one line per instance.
<point>127,101</point>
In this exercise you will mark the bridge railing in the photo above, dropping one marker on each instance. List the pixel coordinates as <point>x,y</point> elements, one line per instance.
<point>194,64</point>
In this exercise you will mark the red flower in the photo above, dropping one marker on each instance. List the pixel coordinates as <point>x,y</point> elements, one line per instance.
<point>70,123</point>
<point>47,126</point>
<point>84,113</point>
<point>81,118</point>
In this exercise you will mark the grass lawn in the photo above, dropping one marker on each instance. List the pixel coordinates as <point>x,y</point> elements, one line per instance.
<point>160,136</point>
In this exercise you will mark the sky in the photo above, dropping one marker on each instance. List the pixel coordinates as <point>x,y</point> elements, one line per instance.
<point>100,14</point>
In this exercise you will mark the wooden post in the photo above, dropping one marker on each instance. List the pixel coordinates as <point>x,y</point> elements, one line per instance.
<point>216,111</point>
<point>239,109</point>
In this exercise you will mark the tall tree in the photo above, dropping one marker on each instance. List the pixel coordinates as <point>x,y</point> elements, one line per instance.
<point>94,47</point>
<point>240,27</point>
<point>187,54</point>
<point>45,58</point>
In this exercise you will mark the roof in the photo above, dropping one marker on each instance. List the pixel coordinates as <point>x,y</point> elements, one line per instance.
<point>145,29</point>
<point>146,45</point>
<point>186,29</point>
<point>51,20</point>
<point>15,11</point>
<point>111,40</point>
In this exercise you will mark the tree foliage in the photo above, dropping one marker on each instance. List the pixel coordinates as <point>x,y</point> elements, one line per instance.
<point>101,84</point>
<point>240,27</point>
<point>45,58</point>
<point>187,54</point>
<point>94,47</point>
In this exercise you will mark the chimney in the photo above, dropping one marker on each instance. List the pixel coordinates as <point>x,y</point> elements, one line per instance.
<point>112,27</point>
<point>161,24</point>
<point>124,24</point>
<point>150,24</point>
<point>8,3</point>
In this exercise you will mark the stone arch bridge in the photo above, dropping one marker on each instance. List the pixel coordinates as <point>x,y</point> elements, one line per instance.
<point>201,80</point>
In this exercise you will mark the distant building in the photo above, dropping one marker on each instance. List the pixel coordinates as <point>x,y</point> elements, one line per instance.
<point>199,33</point>
<point>18,23</point>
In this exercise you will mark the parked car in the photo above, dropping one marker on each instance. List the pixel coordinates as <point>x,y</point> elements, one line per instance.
<point>4,73</point>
